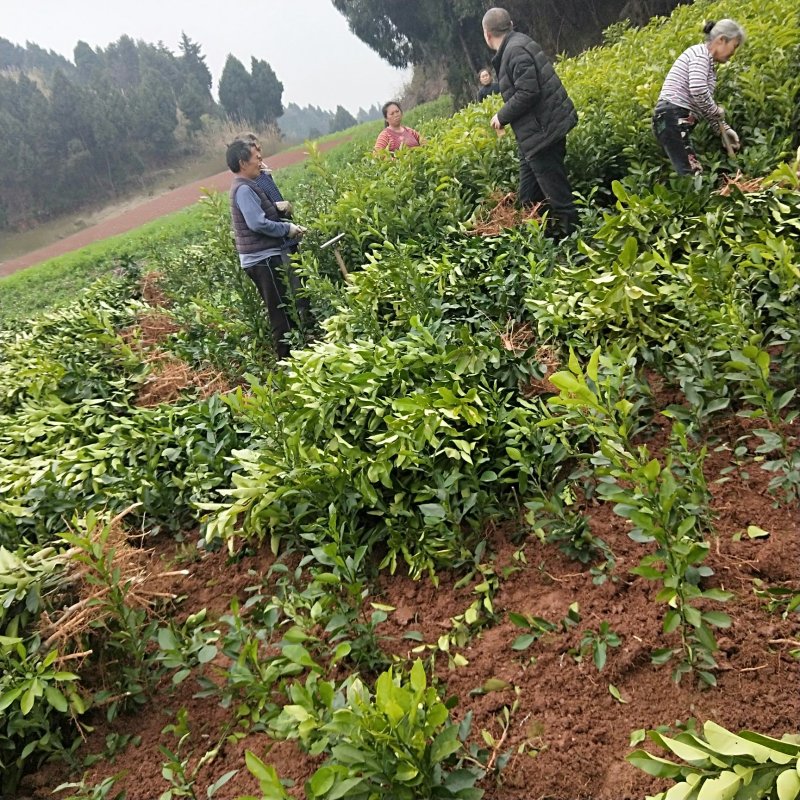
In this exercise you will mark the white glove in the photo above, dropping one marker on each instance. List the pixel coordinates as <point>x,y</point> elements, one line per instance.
<point>296,231</point>
<point>285,207</point>
<point>730,139</point>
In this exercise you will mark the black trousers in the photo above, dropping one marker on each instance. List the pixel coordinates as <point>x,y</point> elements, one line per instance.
<point>672,126</point>
<point>543,177</point>
<point>269,277</point>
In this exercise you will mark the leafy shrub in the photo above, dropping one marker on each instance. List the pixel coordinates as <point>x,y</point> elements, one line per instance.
<point>722,764</point>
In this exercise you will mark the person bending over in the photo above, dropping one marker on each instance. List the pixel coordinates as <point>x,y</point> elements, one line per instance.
<point>688,95</point>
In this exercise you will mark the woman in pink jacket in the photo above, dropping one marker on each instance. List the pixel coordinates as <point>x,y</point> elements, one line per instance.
<point>395,135</point>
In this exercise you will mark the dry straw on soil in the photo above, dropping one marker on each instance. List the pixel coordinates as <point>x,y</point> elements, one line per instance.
<point>171,377</point>
<point>152,293</point>
<point>144,583</point>
<point>504,214</point>
<point>742,183</point>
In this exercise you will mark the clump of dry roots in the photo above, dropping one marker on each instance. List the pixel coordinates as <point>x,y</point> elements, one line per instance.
<point>85,588</point>
<point>504,214</point>
<point>519,337</point>
<point>548,360</point>
<point>152,293</point>
<point>170,377</point>
<point>151,328</point>
<point>154,326</point>
<point>742,183</point>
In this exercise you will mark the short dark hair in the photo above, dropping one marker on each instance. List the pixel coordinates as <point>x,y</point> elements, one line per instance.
<point>237,152</point>
<point>497,21</point>
<point>248,136</point>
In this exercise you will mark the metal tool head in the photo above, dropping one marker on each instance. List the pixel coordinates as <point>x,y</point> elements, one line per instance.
<point>335,239</point>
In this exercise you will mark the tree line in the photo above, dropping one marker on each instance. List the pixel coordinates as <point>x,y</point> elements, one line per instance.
<point>76,133</point>
<point>446,35</point>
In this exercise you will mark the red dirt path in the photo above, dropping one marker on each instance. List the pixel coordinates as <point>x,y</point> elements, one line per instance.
<point>149,210</point>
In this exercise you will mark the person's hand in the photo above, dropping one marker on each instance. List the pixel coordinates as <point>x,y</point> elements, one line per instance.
<point>296,231</point>
<point>498,126</point>
<point>285,207</point>
<point>730,139</point>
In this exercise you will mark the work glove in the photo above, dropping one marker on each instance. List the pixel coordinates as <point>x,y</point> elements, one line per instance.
<point>296,231</point>
<point>730,139</point>
<point>285,207</point>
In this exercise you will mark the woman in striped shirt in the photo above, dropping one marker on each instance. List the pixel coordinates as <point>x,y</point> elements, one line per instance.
<point>395,135</point>
<point>688,94</point>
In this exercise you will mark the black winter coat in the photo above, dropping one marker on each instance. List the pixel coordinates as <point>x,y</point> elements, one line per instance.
<point>536,103</point>
<point>485,91</point>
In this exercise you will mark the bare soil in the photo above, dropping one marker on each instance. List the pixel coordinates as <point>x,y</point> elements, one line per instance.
<point>573,734</point>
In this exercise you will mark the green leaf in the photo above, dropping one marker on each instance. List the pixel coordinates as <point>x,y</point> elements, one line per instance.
<point>9,697</point>
<point>690,751</point>
<point>207,653</point>
<point>322,781</point>
<point>788,785</point>
<point>220,782</point>
<point>652,469</point>
<point>495,685</point>
<point>614,692</point>
<point>56,699</point>
<point>344,788</point>
<point>723,787</point>
<point>729,744</point>
<point>653,765</point>
<point>445,744</point>
<point>717,618</point>
<point>672,620</point>
<point>523,642</point>
<point>299,655</point>
<point>26,704</point>
<point>268,779</point>
<point>754,532</point>
<point>406,772</point>
<point>433,510</point>
<point>419,681</point>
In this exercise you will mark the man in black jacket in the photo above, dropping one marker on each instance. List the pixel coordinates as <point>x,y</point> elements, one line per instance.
<point>540,113</point>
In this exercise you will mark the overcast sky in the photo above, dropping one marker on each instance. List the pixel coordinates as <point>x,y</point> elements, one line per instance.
<point>307,42</point>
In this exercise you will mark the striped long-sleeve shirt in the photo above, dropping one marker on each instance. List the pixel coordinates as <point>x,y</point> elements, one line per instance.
<point>690,84</point>
<point>408,137</point>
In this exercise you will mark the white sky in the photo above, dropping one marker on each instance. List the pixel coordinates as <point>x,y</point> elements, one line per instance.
<point>307,42</point>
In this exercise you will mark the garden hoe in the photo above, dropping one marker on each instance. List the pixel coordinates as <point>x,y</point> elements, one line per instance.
<point>337,254</point>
